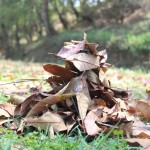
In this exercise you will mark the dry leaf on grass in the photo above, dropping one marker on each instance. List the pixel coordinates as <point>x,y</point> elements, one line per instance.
<point>135,142</point>
<point>46,120</point>
<point>140,129</point>
<point>24,107</point>
<point>143,107</point>
<point>89,122</point>
<point>4,113</point>
<point>8,107</point>
<point>47,102</point>
<point>77,95</point>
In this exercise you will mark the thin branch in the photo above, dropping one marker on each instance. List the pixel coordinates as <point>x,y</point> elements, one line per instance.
<point>22,80</point>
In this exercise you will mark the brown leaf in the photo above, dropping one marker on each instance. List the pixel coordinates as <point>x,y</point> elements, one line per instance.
<point>55,79</point>
<point>68,50</point>
<point>135,142</point>
<point>95,103</point>
<point>93,77</point>
<point>46,102</point>
<point>140,129</point>
<point>83,99</point>
<point>24,107</point>
<point>8,107</point>
<point>47,119</point>
<point>90,119</point>
<point>83,61</point>
<point>92,47</point>
<point>64,73</point>
<point>4,113</point>
<point>74,86</point>
<point>143,107</point>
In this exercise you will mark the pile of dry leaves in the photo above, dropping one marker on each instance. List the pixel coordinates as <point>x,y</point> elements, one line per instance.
<point>79,96</point>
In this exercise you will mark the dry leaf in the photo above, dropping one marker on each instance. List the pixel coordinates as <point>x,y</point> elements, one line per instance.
<point>92,47</point>
<point>4,113</point>
<point>4,120</point>
<point>8,107</point>
<point>64,73</point>
<point>83,99</point>
<point>68,50</point>
<point>46,120</point>
<point>135,142</point>
<point>89,122</point>
<point>140,129</point>
<point>83,61</point>
<point>46,102</point>
<point>24,107</point>
<point>143,107</point>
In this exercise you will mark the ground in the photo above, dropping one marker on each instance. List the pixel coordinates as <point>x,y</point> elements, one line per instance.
<point>136,81</point>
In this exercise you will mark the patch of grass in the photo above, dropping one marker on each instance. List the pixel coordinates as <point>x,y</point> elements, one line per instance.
<point>41,141</point>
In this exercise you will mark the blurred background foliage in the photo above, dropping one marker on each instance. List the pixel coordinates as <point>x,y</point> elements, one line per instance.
<point>29,29</point>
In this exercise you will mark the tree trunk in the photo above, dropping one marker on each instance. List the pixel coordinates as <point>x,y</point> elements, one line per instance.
<point>49,28</point>
<point>61,17</point>
<point>5,41</point>
<point>17,36</point>
<point>39,25</point>
<point>74,9</point>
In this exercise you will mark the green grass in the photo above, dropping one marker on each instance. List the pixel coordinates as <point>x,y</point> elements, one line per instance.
<point>40,140</point>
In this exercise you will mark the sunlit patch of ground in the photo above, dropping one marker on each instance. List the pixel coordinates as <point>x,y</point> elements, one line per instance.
<point>136,81</point>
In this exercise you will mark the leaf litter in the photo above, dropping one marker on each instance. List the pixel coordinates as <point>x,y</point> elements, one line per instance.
<point>78,95</point>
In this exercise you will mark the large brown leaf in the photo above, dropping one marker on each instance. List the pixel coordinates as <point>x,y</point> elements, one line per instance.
<point>83,61</point>
<point>70,49</point>
<point>143,107</point>
<point>46,120</point>
<point>46,102</point>
<point>8,107</point>
<point>83,98</point>
<point>89,122</point>
<point>25,106</point>
<point>64,73</point>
